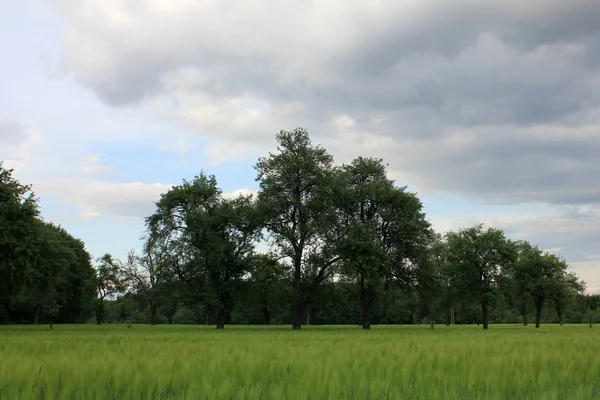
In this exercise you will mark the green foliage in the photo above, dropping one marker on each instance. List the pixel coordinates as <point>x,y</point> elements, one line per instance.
<point>476,260</point>
<point>380,231</point>
<point>542,276</point>
<point>185,316</point>
<point>18,216</point>
<point>108,282</point>
<point>214,235</point>
<point>295,203</point>
<point>45,273</point>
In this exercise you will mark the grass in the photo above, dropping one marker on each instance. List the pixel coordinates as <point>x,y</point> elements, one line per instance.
<point>389,362</point>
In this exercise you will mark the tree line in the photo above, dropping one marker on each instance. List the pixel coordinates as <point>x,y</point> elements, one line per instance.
<point>320,243</point>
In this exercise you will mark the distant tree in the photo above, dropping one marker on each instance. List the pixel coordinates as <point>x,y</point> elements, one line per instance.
<point>144,274</point>
<point>565,292</point>
<point>477,259</point>
<point>295,199</point>
<point>520,279</point>
<point>266,274</point>
<point>542,275</point>
<point>435,283</point>
<point>109,282</point>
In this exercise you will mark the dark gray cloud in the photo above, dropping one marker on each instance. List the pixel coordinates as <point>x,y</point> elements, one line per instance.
<point>573,233</point>
<point>488,99</point>
<point>517,167</point>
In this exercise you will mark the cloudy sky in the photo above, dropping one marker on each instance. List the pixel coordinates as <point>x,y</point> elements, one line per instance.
<point>490,110</point>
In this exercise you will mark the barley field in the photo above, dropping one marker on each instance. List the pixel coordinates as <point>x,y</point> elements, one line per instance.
<point>330,362</point>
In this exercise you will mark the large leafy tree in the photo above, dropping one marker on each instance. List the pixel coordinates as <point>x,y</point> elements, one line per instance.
<point>295,199</point>
<point>45,273</point>
<point>477,259</point>
<point>216,236</point>
<point>381,228</point>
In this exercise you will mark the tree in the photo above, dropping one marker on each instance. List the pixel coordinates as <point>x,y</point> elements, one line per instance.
<point>541,275</point>
<point>215,235</point>
<point>109,282</point>
<point>140,277</point>
<point>295,200</point>
<point>477,259</point>
<point>381,229</point>
<point>44,271</point>
<point>434,285</point>
<point>144,274</point>
<point>565,292</point>
<point>520,279</point>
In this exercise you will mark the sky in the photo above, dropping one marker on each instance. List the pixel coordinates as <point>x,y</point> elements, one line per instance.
<point>489,110</point>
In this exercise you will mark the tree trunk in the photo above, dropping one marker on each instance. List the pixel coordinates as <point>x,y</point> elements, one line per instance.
<point>484,313</point>
<point>365,297</point>
<point>538,311</point>
<point>153,311</point>
<point>264,296</point>
<point>221,320</point>
<point>38,314</point>
<point>51,324</point>
<point>100,313</point>
<point>560,315</point>
<point>448,316</point>
<point>297,294</point>
<point>267,314</point>
<point>524,312</point>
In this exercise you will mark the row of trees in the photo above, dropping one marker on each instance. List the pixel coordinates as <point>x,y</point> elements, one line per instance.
<point>346,226</point>
<point>342,238</point>
<point>45,273</point>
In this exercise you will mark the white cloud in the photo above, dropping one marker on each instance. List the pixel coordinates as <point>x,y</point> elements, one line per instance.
<point>19,144</point>
<point>92,166</point>
<point>103,198</point>
<point>181,146</point>
<point>239,192</point>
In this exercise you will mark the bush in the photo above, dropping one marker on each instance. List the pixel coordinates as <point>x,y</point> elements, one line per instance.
<point>185,316</point>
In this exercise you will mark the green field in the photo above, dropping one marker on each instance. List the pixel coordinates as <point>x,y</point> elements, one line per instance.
<point>393,362</point>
